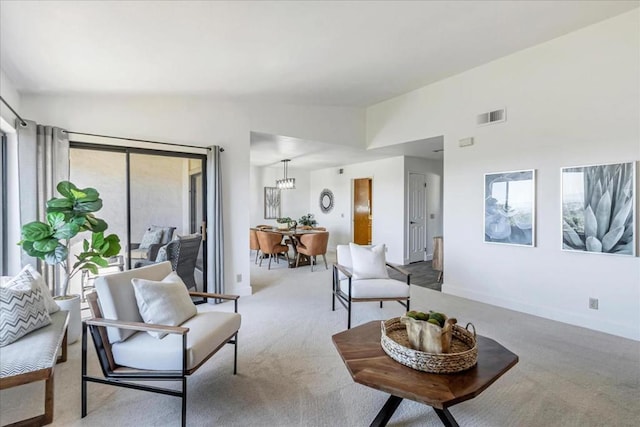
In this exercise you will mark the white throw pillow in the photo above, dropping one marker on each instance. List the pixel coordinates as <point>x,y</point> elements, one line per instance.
<point>22,310</point>
<point>25,278</point>
<point>163,303</point>
<point>368,262</point>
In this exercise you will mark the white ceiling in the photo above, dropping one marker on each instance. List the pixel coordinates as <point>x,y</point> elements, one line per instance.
<point>353,53</point>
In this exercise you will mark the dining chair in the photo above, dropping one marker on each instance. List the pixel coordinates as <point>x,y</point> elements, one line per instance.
<point>312,245</point>
<point>254,245</point>
<point>271,244</point>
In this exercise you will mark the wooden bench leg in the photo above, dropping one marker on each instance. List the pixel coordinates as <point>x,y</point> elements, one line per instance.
<point>48,400</point>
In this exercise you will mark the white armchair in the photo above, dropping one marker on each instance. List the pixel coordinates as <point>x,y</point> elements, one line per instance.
<point>360,274</point>
<point>124,319</point>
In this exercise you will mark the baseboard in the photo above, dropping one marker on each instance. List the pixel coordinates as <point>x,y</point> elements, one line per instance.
<point>603,325</point>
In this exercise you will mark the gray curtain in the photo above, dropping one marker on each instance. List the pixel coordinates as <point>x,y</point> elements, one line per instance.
<point>215,235</point>
<point>43,161</point>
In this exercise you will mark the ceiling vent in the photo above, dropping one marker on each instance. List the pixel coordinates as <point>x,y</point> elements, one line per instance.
<point>492,117</point>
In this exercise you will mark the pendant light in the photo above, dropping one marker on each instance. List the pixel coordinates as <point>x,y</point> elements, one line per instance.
<point>286,183</point>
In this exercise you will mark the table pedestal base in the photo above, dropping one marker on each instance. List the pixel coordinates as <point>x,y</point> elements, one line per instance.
<point>392,404</point>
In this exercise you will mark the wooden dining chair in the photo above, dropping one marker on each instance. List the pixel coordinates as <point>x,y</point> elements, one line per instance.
<point>271,244</point>
<point>254,245</point>
<point>312,245</point>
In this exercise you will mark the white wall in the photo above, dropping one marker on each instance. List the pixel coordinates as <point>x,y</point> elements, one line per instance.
<point>388,203</point>
<point>294,203</point>
<point>201,121</point>
<point>572,101</point>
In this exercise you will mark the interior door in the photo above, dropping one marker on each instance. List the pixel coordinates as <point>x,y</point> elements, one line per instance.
<point>417,229</point>
<point>362,208</point>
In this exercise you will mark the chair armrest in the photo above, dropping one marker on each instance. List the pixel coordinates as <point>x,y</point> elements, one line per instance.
<point>233,298</point>
<point>211,295</point>
<point>135,245</point>
<point>398,269</point>
<point>343,270</point>
<point>137,326</point>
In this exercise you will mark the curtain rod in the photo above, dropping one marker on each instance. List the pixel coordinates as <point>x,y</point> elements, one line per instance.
<point>139,140</point>
<point>22,122</point>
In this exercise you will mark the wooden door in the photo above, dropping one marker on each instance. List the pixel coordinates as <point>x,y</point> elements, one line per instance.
<point>362,208</point>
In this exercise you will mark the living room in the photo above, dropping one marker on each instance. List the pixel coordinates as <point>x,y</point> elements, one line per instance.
<point>571,95</point>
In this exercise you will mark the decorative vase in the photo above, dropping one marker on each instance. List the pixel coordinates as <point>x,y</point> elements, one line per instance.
<point>71,303</point>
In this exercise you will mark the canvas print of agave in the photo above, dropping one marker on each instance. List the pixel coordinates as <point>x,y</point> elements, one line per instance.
<point>271,202</point>
<point>598,209</point>
<point>509,207</point>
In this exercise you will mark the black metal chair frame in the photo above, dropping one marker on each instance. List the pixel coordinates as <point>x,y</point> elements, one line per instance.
<point>97,328</point>
<point>345,298</point>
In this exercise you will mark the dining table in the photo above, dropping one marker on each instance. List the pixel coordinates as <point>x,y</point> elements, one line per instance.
<point>294,240</point>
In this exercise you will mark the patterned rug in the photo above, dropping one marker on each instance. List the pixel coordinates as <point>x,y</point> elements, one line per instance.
<point>421,275</point>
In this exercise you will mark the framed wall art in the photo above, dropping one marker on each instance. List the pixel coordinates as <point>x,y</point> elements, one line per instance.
<point>598,208</point>
<point>509,207</point>
<point>271,202</point>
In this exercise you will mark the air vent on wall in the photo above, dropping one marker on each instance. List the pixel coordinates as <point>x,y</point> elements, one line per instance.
<point>492,117</point>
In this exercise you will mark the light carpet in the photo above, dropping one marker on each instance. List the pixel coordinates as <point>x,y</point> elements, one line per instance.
<point>289,373</point>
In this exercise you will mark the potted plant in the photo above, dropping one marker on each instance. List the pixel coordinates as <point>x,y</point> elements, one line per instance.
<point>283,223</point>
<point>66,217</point>
<point>308,220</point>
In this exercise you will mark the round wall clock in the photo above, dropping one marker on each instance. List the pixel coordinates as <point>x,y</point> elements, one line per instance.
<point>326,200</point>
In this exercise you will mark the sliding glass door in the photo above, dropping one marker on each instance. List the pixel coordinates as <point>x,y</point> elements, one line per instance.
<point>148,201</point>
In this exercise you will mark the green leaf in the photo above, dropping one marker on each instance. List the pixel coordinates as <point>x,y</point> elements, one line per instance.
<point>55,219</point>
<point>67,231</point>
<point>45,245</point>
<point>89,195</point>
<point>85,245</point>
<point>65,188</point>
<point>610,239</point>
<point>99,225</point>
<point>60,203</point>
<point>97,240</point>
<point>27,246</point>
<point>114,246</point>
<point>56,256</point>
<point>91,206</point>
<point>96,259</point>
<point>36,231</point>
<point>78,194</point>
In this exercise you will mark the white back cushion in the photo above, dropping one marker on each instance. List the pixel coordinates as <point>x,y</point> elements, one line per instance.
<point>368,262</point>
<point>163,303</point>
<point>118,299</point>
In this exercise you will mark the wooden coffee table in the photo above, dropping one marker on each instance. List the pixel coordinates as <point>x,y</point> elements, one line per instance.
<point>369,365</point>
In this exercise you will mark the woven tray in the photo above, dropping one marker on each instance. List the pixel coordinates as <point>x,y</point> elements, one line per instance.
<point>462,355</point>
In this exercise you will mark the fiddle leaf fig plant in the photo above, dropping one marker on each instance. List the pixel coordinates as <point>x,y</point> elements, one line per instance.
<point>66,217</point>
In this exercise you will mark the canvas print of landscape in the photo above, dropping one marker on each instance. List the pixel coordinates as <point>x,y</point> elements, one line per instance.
<point>509,207</point>
<point>598,209</point>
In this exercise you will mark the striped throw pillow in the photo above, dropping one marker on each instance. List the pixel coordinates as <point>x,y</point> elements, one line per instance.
<point>22,310</point>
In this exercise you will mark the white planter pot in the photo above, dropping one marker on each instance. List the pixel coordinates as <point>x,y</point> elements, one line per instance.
<point>71,304</point>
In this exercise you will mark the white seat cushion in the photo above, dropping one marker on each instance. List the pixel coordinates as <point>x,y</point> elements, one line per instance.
<point>207,331</point>
<point>376,288</point>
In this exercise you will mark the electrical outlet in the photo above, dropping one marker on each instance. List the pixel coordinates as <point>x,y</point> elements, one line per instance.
<point>238,278</point>
<point>593,303</point>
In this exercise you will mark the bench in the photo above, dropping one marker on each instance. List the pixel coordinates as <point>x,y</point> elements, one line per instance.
<point>32,358</point>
